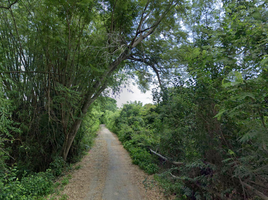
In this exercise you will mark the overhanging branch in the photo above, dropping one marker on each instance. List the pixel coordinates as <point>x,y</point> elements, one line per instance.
<point>19,72</point>
<point>8,7</point>
<point>151,65</point>
<point>137,40</point>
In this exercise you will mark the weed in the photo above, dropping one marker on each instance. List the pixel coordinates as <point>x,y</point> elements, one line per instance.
<point>65,181</point>
<point>64,197</point>
<point>57,184</point>
<point>78,167</point>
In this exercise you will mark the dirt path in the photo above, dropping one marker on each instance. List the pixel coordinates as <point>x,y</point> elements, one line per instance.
<point>107,173</point>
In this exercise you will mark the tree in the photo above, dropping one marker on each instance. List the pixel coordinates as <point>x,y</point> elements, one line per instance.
<point>62,61</point>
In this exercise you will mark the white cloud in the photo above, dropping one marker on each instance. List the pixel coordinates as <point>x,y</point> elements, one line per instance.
<point>136,95</point>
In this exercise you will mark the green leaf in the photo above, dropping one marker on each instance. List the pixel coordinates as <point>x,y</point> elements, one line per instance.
<point>220,113</point>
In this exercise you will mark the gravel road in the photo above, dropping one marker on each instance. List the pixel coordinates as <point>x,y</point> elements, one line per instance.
<point>107,173</point>
<point>118,182</point>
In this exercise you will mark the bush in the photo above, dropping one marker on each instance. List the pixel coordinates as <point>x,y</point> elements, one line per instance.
<point>29,187</point>
<point>129,124</point>
<point>57,166</point>
<point>142,158</point>
<point>38,184</point>
<point>125,134</point>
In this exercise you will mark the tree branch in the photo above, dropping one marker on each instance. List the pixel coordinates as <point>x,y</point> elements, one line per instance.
<point>99,85</point>
<point>151,65</point>
<point>8,7</point>
<point>141,20</point>
<point>136,40</point>
<point>164,158</point>
<point>18,72</point>
<point>255,191</point>
<point>144,30</point>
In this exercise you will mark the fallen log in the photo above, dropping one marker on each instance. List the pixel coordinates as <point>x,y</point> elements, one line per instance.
<point>167,160</point>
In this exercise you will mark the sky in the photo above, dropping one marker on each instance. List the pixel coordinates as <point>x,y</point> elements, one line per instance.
<point>136,95</point>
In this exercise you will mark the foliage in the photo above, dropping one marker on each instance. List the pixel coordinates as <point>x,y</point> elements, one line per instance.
<point>87,133</point>
<point>57,166</point>
<point>129,125</point>
<point>108,105</point>
<point>210,116</point>
<point>61,62</point>
<point>214,121</point>
<point>7,127</point>
<point>29,187</point>
<point>214,124</point>
<point>18,184</point>
<point>109,119</point>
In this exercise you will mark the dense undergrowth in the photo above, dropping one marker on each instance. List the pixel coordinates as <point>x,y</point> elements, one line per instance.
<point>211,152</point>
<point>130,124</point>
<point>211,61</point>
<point>19,182</point>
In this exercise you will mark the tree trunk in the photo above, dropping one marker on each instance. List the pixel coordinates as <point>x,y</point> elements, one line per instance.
<point>70,138</point>
<point>100,85</point>
<point>89,99</point>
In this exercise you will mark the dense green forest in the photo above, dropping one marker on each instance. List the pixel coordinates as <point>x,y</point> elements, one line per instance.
<point>206,134</point>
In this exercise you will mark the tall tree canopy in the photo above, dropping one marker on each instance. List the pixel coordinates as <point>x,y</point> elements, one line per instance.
<point>57,57</point>
<point>210,59</point>
<point>209,127</point>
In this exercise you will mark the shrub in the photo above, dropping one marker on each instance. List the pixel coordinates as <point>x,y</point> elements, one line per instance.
<point>29,187</point>
<point>143,159</point>
<point>129,124</point>
<point>38,184</point>
<point>57,166</point>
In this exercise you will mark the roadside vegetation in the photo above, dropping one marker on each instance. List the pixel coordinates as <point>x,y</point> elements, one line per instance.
<point>198,148</point>
<point>57,61</point>
<point>18,182</point>
<point>131,125</point>
<point>205,136</point>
